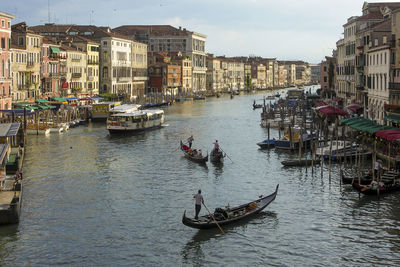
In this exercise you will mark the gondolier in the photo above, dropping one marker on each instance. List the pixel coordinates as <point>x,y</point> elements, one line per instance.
<point>199,201</point>
<point>190,141</point>
<point>216,146</point>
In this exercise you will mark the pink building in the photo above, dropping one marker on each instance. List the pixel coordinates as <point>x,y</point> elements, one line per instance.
<point>5,64</point>
<point>50,69</point>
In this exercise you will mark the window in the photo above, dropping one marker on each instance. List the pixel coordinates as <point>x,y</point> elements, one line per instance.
<point>2,23</point>
<point>3,42</point>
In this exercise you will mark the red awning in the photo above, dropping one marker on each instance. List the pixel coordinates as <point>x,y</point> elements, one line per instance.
<point>333,111</point>
<point>319,104</point>
<point>390,135</point>
<point>353,107</point>
<point>64,85</point>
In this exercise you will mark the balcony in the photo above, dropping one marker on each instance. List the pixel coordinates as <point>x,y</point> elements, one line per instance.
<point>55,75</point>
<point>90,78</point>
<point>93,62</point>
<point>76,75</point>
<point>123,79</point>
<point>4,79</point>
<point>394,86</point>
<point>75,59</point>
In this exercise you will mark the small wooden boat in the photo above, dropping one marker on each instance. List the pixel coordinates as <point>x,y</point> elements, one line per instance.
<point>373,189</point>
<point>192,155</point>
<point>216,156</point>
<point>267,143</point>
<point>299,162</point>
<point>230,215</point>
<point>256,106</point>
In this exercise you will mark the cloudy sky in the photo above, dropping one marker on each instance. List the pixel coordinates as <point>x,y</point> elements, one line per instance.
<point>285,29</point>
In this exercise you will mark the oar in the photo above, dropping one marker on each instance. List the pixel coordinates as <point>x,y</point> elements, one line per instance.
<point>226,155</point>
<point>222,231</point>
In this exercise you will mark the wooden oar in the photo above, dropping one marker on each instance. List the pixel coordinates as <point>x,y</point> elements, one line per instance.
<point>222,231</point>
<point>226,155</point>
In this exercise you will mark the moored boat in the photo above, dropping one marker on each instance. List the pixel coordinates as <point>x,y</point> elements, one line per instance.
<point>377,189</point>
<point>135,121</point>
<point>193,155</point>
<point>267,143</point>
<point>230,215</point>
<point>299,162</point>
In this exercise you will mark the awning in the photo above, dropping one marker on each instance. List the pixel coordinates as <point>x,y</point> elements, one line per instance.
<point>64,85</point>
<point>393,118</point>
<point>389,134</point>
<point>353,107</point>
<point>60,99</point>
<point>55,50</point>
<point>71,98</point>
<point>41,101</point>
<point>333,111</point>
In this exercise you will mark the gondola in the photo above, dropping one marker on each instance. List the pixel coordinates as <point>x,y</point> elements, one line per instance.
<point>267,143</point>
<point>256,106</point>
<point>373,190</point>
<point>216,156</point>
<point>188,154</point>
<point>227,216</point>
<point>367,179</point>
<point>299,162</point>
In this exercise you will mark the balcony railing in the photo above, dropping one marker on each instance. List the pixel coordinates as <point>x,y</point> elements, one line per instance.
<point>394,86</point>
<point>93,62</point>
<point>123,79</point>
<point>75,59</point>
<point>55,75</point>
<point>76,75</point>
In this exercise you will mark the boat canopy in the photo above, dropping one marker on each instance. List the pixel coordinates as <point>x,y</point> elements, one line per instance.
<point>139,113</point>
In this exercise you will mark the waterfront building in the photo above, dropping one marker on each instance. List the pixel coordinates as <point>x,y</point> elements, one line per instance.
<point>238,73</point>
<point>75,71</point>
<point>91,48</point>
<point>186,72</point>
<point>248,75</point>
<point>291,73</point>
<point>165,38</point>
<point>378,58</point>
<point>18,73</point>
<point>164,75</point>
<point>23,37</point>
<point>261,76</point>
<point>324,73</point>
<point>315,73</point>
<point>214,74</point>
<point>269,74</point>
<point>5,62</point>
<point>282,76</point>
<point>50,69</point>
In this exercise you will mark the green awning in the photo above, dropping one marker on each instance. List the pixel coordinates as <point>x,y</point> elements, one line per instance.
<point>60,99</point>
<point>393,118</point>
<point>53,63</point>
<point>41,101</point>
<point>55,50</point>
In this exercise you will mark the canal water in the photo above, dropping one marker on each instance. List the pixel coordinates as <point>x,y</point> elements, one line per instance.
<point>91,199</point>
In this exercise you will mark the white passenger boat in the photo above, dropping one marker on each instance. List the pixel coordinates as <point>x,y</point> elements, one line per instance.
<point>134,121</point>
<point>125,108</point>
<point>337,148</point>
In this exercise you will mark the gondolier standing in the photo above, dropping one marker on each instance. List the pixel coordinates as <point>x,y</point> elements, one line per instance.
<point>199,200</point>
<point>190,141</point>
<point>216,146</point>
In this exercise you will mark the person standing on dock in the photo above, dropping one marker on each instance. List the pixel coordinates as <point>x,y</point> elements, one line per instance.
<point>199,201</point>
<point>190,141</point>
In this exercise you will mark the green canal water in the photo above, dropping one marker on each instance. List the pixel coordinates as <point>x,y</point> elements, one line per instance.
<point>95,200</point>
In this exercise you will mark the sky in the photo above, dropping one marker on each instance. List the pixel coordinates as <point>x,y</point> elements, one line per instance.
<point>283,29</point>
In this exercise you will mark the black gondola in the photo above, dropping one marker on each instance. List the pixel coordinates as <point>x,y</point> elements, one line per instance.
<point>216,156</point>
<point>227,216</point>
<point>189,154</point>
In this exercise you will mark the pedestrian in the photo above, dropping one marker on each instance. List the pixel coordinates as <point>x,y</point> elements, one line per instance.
<point>190,141</point>
<point>199,200</point>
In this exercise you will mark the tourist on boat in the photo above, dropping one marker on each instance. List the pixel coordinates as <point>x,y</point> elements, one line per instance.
<point>216,146</point>
<point>199,154</point>
<point>190,141</point>
<point>199,200</point>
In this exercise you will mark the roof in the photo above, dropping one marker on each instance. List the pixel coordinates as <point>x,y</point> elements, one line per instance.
<point>152,30</point>
<point>7,15</point>
<point>9,129</point>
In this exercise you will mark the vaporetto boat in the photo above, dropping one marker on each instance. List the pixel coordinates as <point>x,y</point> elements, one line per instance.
<point>134,121</point>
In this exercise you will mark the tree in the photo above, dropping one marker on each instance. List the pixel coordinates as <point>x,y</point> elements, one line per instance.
<point>331,74</point>
<point>248,82</point>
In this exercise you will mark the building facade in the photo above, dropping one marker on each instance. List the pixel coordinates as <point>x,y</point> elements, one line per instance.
<point>5,61</point>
